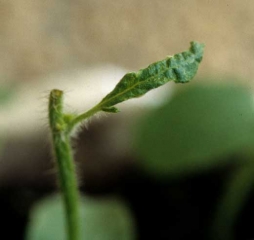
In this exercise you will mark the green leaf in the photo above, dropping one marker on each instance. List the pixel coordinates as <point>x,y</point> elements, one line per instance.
<point>180,68</point>
<point>101,219</point>
<point>198,129</point>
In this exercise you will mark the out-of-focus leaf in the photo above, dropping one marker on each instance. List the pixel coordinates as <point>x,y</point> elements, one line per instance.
<point>6,94</point>
<point>103,219</point>
<point>196,130</point>
<point>180,68</point>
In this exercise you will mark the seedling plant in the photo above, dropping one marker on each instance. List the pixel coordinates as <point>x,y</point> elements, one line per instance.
<point>180,68</point>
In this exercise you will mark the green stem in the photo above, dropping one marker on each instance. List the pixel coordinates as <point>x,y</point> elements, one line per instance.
<point>82,117</point>
<point>236,194</point>
<point>65,164</point>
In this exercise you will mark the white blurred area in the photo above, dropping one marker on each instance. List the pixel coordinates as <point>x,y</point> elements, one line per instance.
<point>84,47</point>
<point>26,116</point>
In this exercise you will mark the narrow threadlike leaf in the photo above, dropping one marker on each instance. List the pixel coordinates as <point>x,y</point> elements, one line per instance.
<point>180,68</point>
<point>110,109</point>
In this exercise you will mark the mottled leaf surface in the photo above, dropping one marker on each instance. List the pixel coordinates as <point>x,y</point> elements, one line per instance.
<point>179,68</point>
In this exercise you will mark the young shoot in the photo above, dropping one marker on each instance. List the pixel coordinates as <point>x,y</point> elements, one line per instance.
<point>180,68</point>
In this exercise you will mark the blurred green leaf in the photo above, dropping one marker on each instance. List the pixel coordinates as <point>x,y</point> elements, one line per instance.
<point>196,129</point>
<point>101,219</point>
<point>7,93</point>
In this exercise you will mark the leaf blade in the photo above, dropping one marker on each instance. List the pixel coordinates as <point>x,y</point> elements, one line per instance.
<point>180,68</point>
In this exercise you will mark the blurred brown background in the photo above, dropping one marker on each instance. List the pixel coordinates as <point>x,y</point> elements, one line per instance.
<point>40,37</point>
<point>43,42</point>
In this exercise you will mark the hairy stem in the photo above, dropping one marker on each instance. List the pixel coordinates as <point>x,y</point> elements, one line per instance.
<point>65,163</point>
<point>78,119</point>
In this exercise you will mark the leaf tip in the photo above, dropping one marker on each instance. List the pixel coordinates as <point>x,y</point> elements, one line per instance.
<point>186,63</point>
<point>197,49</point>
